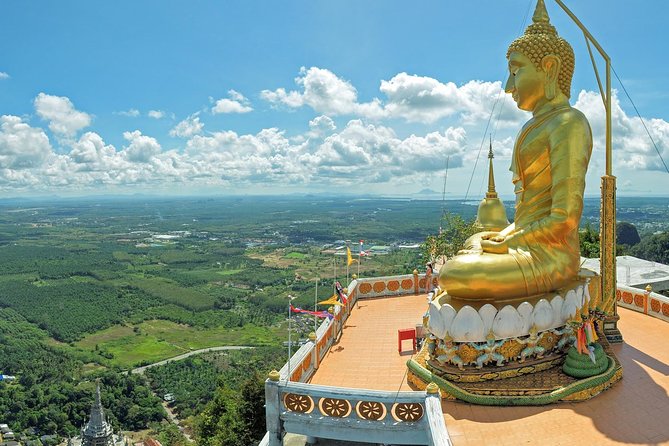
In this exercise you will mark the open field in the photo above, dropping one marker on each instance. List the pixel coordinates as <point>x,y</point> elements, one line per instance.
<point>155,340</point>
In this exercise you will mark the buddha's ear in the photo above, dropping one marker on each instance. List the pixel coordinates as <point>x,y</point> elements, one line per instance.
<point>550,65</point>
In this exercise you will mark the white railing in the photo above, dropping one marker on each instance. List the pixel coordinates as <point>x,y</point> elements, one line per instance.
<point>429,429</point>
<point>353,414</point>
<point>647,302</point>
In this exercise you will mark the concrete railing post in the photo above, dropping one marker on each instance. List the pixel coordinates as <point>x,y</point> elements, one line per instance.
<point>416,282</point>
<point>436,426</point>
<point>315,357</point>
<point>273,409</point>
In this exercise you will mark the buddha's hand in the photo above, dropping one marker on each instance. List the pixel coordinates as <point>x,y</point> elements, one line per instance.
<point>495,247</point>
<point>493,236</point>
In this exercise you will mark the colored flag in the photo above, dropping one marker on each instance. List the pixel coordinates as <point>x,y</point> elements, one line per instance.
<point>331,301</point>
<point>349,257</point>
<point>321,314</point>
<point>362,251</point>
<point>340,292</point>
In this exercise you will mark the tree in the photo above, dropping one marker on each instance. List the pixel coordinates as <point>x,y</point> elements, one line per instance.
<point>251,410</point>
<point>626,234</point>
<point>589,241</point>
<point>654,248</point>
<point>454,232</point>
<point>232,418</point>
<point>218,424</point>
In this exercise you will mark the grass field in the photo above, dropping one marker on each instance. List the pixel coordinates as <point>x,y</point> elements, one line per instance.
<point>155,340</point>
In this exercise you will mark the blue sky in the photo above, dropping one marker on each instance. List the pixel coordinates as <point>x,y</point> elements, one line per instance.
<point>300,96</point>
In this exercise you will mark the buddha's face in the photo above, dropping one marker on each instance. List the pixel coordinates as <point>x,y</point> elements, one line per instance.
<point>526,82</point>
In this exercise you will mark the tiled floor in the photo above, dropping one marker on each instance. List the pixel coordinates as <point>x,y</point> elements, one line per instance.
<point>366,355</point>
<point>635,411</point>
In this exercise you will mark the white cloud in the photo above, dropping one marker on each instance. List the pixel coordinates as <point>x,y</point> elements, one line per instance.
<point>132,113</point>
<point>408,97</point>
<point>4,75</point>
<point>142,148</point>
<point>632,148</point>
<point>91,153</point>
<point>325,93</point>
<point>321,125</point>
<point>236,103</point>
<point>366,152</point>
<point>22,146</point>
<point>361,151</point>
<point>156,114</point>
<point>63,119</point>
<point>188,127</point>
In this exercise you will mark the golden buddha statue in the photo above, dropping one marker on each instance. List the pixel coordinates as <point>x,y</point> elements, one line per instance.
<point>539,252</point>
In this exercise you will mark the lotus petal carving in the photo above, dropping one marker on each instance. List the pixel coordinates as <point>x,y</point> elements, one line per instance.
<point>570,306</point>
<point>543,315</point>
<point>447,315</point>
<point>557,302</point>
<point>525,310</point>
<point>508,323</point>
<point>436,323</point>
<point>467,326</point>
<point>487,313</point>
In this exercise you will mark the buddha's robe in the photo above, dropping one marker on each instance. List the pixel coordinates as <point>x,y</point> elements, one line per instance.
<point>549,164</point>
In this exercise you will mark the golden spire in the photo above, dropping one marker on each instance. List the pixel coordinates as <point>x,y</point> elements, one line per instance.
<point>492,193</point>
<point>540,13</point>
<point>491,214</point>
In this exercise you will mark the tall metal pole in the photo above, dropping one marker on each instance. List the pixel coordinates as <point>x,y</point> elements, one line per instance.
<point>607,225</point>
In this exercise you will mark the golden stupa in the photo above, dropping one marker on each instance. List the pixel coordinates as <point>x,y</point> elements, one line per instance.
<point>491,215</point>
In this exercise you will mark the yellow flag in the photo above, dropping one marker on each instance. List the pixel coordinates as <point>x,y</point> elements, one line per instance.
<point>349,257</point>
<point>331,301</point>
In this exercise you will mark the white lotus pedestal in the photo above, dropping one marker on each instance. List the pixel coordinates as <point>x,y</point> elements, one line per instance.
<point>473,341</point>
<point>512,352</point>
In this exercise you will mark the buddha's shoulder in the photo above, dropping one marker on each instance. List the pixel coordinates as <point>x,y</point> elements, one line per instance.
<point>572,115</point>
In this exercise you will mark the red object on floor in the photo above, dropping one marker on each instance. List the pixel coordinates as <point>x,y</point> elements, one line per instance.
<point>406,333</point>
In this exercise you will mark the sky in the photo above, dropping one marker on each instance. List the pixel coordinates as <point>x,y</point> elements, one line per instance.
<point>264,97</point>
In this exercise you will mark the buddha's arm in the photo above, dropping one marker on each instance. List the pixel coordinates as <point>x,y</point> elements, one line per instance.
<point>570,145</point>
<point>508,230</point>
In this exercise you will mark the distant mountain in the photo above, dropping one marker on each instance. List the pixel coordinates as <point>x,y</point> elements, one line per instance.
<point>428,192</point>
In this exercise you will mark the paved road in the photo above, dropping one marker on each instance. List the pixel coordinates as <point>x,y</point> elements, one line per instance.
<point>141,370</point>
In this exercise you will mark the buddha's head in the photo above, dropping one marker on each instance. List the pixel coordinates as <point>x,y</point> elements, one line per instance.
<point>541,64</point>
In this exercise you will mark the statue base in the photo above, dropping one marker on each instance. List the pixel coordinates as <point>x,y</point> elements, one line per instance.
<point>539,384</point>
<point>513,352</point>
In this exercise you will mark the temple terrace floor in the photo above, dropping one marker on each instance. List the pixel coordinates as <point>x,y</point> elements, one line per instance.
<point>634,411</point>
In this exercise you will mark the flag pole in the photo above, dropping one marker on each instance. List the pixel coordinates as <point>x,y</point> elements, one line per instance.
<point>290,300</point>
<point>316,306</point>
<point>348,250</point>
